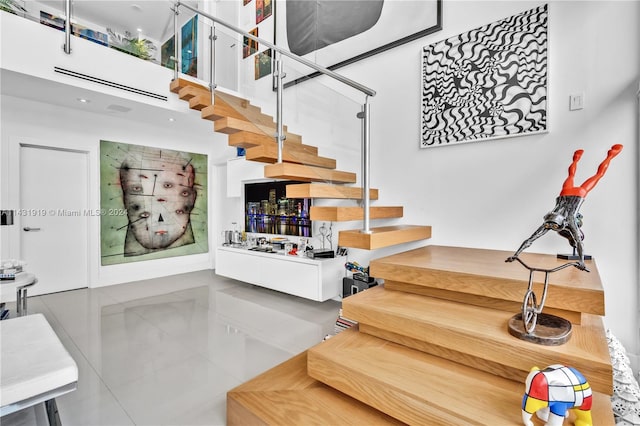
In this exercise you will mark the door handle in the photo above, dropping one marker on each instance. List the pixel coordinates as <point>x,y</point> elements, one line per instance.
<point>26,228</point>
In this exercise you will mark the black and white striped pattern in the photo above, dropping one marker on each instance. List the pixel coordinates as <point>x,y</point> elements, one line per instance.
<point>486,83</point>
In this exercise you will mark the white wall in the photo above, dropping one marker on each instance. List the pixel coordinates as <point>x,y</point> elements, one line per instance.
<point>493,194</point>
<point>25,121</point>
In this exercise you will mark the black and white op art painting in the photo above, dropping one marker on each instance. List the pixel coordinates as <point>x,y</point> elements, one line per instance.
<point>487,83</point>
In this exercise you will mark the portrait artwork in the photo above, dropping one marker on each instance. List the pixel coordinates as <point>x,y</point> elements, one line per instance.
<point>153,203</point>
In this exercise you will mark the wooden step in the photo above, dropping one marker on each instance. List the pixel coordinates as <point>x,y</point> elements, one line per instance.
<point>342,213</point>
<point>188,92</point>
<point>307,173</point>
<point>231,125</point>
<point>477,336</point>
<point>219,111</point>
<point>286,395</point>
<point>422,389</point>
<point>181,83</point>
<point>383,237</point>
<point>240,104</point>
<point>321,190</point>
<point>484,273</point>
<point>268,153</point>
<point>200,102</point>
<point>247,140</point>
<point>233,110</point>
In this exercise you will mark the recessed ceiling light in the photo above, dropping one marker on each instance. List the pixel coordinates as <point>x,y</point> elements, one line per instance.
<point>139,30</point>
<point>83,100</point>
<point>171,119</point>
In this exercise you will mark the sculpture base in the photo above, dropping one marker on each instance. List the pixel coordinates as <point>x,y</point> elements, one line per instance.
<point>573,256</point>
<point>550,330</point>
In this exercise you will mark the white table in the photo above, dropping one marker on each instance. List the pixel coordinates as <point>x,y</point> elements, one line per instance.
<point>23,281</point>
<point>34,366</point>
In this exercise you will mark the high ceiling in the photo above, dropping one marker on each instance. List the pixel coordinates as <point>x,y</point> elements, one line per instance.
<point>153,17</point>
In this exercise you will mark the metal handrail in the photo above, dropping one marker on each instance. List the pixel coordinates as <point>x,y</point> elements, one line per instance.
<point>364,115</point>
<point>362,88</point>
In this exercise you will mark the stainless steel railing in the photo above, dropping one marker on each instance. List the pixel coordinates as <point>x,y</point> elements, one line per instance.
<point>279,74</point>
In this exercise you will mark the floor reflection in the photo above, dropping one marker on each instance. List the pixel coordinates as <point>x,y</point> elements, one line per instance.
<point>166,351</point>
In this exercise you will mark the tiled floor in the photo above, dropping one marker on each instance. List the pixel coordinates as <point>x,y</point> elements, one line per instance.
<point>166,351</point>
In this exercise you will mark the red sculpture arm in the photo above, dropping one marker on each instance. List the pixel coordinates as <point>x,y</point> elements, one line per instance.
<point>568,187</point>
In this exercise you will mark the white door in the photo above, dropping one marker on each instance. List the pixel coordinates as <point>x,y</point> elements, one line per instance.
<point>53,217</point>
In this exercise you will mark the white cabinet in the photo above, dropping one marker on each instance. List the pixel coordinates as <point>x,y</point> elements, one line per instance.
<point>315,279</point>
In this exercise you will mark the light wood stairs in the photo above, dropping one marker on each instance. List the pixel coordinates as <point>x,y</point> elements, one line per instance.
<point>247,127</point>
<point>432,347</point>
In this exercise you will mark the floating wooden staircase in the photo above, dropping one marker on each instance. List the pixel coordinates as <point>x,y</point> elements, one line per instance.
<point>247,127</point>
<point>433,348</point>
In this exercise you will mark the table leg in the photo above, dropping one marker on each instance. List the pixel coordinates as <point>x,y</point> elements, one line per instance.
<point>24,301</point>
<point>52,412</point>
<point>21,301</point>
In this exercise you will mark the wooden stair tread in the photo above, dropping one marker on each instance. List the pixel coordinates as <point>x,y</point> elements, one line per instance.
<point>419,388</point>
<point>221,109</point>
<point>188,92</point>
<point>479,333</point>
<point>307,173</point>
<point>247,140</point>
<point>287,395</point>
<point>199,102</point>
<point>240,104</point>
<point>345,213</point>
<point>383,237</point>
<point>180,83</point>
<point>218,111</point>
<point>474,299</point>
<point>485,273</point>
<point>321,190</point>
<point>231,125</point>
<point>268,153</point>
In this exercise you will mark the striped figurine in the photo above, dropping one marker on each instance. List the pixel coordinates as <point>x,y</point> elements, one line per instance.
<point>551,392</point>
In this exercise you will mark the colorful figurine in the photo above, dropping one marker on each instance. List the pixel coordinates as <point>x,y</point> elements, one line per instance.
<point>565,218</point>
<point>551,392</point>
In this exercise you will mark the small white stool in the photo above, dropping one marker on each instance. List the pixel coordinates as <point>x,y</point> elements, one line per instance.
<point>34,366</point>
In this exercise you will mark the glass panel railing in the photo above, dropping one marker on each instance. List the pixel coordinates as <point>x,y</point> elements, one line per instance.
<point>323,119</point>
<point>322,132</point>
<point>144,30</point>
<point>213,41</point>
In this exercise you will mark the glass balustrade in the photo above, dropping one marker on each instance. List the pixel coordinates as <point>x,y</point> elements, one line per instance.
<point>143,30</point>
<point>322,122</point>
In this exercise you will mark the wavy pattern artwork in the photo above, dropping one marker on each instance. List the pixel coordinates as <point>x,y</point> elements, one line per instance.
<point>486,83</point>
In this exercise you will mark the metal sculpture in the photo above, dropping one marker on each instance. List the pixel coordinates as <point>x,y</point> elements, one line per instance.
<point>566,220</point>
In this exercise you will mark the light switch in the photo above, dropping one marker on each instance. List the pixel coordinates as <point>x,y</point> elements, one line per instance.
<point>576,101</point>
